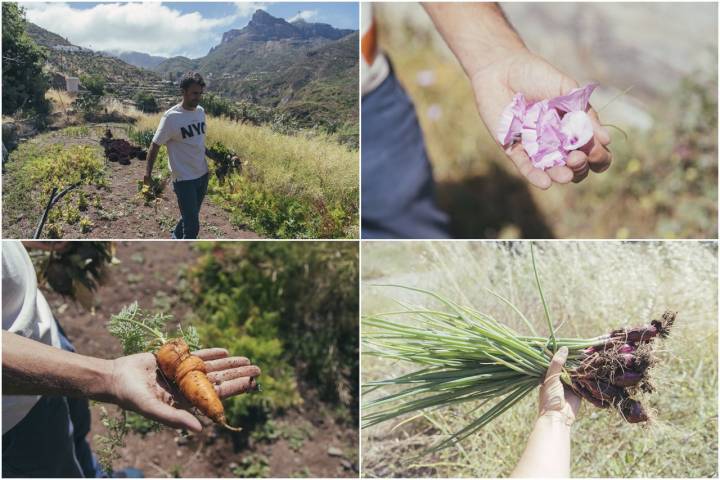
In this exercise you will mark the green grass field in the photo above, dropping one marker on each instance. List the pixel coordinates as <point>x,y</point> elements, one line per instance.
<point>591,288</point>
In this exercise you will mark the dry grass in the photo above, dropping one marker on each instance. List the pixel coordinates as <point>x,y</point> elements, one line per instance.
<point>61,99</point>
<point>310,167</point>
<point>591,287</point>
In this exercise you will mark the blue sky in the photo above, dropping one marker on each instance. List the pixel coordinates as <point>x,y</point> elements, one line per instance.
<point>172,28</point>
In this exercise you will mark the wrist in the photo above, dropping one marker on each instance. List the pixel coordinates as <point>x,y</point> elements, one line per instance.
<point>497,65</point>
<point>556,417</point>
<point>101,383</point>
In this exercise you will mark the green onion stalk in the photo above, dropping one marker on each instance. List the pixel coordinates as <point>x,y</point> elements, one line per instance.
<point>465,355</point>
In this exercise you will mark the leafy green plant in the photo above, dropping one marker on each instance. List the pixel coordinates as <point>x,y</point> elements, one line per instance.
<point>76,131</point>
<point>95,84</point>
<point>77,271</point>
<point>253,466</point>
<point>82,203</point>
<point>23,79</point>
<point>150,193</point>
<point>88,104</point>
<point>142,137</point>
<point>107,446</point>
<point>218,106</point>
<point>146,102</point>
<point>141,425</point>
<point>86,225</point>
<point>71,214</point>
<point>271,302</point>
<point>142,331</point>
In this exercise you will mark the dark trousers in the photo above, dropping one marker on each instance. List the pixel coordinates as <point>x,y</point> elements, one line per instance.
<point>190,195</point>
<point>398,199</point>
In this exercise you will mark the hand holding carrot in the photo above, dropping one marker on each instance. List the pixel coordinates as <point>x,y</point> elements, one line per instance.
<point>136,384</point>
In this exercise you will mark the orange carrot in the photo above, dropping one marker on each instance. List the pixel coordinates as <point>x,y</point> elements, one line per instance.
<point>189,374</point>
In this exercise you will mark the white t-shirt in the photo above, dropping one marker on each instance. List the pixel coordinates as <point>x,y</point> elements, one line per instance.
<point>374,65</point>
<point>24,312</point>
<point>183,132</point>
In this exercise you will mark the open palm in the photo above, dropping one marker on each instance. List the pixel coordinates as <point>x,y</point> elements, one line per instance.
<point>138,385</point>
<point>494,87</point>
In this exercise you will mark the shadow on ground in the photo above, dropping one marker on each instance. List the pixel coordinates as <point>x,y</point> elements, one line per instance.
<point>494,205</point>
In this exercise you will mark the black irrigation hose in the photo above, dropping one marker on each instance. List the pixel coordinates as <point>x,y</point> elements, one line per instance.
<point>54,199</point>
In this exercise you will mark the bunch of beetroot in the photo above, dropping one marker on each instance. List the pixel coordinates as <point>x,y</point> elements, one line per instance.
<point>120,150</point>
<point>614,370</point>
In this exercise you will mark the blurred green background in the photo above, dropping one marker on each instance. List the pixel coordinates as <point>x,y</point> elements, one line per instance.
<point>663,182</point>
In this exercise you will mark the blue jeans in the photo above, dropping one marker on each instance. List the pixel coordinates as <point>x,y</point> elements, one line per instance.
<point>398,199</point>
<point>190,195</point>
<point>50,440</point>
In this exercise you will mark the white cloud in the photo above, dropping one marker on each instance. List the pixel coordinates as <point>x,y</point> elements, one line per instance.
<point>144,27</point>
<point>306,15</point>
<point>246,9</point>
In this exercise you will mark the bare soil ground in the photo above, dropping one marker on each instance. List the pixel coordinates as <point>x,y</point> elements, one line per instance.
<point>121,213</point>
<point>149,272</point>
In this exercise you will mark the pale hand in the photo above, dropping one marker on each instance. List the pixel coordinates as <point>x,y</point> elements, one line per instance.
<point>521,71</point>
<point>136,384</point>
<point>555,399</point>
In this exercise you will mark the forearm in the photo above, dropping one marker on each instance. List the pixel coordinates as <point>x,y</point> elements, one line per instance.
<point>477,33</point>
<point>33,368</point>
<point>151,156</point>
<point>547,453</point>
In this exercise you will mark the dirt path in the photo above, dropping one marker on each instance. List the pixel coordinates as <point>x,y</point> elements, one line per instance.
<point>149,273</point>
<point>121,213</point>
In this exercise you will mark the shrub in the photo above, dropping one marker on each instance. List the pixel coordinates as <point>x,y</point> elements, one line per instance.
<point>95,84</point>
<point>88,104</point>
<point>218,106</point>
<point>28,182</point>
<point>142,137</point>
<point>24,83</point>
<point>146,102</point>
<point>291,307</point>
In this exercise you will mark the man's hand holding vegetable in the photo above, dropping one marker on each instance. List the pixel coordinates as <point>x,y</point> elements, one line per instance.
<point>499,65</point>
<point>132,382</point>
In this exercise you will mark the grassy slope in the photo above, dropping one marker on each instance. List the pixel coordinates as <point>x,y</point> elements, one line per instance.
<point>319,77</point>
<point>592,288</point>
<point>313,168</point>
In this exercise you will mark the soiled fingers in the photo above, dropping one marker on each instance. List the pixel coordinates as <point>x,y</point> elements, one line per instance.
<point>226,363</point>
<point>599,158</point>
<point>233,373</point>
<point>577,161</point>
<point>207,354</point>
<point>236,387</point>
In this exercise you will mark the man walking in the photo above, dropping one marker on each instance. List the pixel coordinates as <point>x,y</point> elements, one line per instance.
<point>182,129</point>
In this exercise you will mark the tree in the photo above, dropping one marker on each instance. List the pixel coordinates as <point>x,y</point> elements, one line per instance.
<point>94,84</point>
<point>218,106</point>
<point>23,80</point>
<point>146,102</point>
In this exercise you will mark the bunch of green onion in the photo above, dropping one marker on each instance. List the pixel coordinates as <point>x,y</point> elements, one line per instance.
<point>466,356</point>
